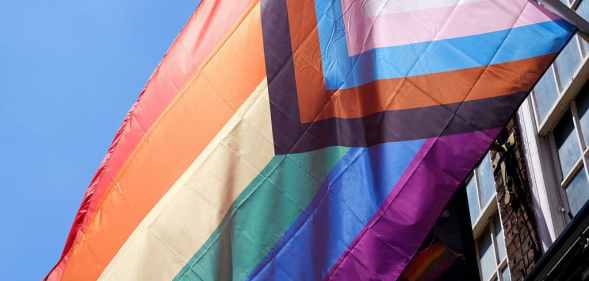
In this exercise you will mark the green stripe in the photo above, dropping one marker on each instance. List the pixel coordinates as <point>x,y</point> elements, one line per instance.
<point>260,216</point>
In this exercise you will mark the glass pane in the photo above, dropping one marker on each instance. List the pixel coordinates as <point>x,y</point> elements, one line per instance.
<point>486,180</point>
<point>473,203</point>
<point>583,10</point>
<point>500,240</point>
<point>567,144</point>
<point>567,63</point>
<point>578,192</point>
<point>582,108</point>
<point>486,257</point>
<point>545,94</point>
<point>584,44</point>
<point>505,274</point>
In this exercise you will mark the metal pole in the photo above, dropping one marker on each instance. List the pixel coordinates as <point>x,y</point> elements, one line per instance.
<point>567,14</point>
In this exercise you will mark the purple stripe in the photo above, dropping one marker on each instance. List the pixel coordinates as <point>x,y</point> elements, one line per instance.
<point>393,236</point>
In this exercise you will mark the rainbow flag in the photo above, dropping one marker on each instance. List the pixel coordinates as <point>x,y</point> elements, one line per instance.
<point>305,139</point>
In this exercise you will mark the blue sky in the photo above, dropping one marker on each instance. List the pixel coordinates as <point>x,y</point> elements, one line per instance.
<point>69,71</point>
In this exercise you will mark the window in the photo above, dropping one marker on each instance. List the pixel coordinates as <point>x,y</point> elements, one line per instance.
<point>492,253</point>
<point>578,192</point>
<point>570,144</point>
<point>545,94</point>
<point>554,125</point>
<point>582,107</point>
<point>488,232</point>
<point>570,134</point>
<point>473,200</point>
<point>567,144</point>
<point>486,182</point>
<point>486,256</point>
<point>480,188</point>
<point>505,274</point>
<point>567,63</point>
<point>583,11</point>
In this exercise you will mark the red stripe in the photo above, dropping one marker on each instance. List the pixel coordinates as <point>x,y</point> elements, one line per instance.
<point>205,30</point>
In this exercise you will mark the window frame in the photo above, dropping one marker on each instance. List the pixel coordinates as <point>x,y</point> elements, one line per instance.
<point>484,224</point>
<point>565,94</point>
<point>544,165</point>
<point>500,265</point>
<point>581,164</point>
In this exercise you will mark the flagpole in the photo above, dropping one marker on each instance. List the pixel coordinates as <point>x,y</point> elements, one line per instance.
<point>567,14</point>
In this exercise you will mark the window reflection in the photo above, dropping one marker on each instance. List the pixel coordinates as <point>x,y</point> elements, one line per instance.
<point>578,192</point>
<point>545,94</point>
<point>583,11</point>
<point>500,240</point>
<point>473,203</point>
<point>505,274</point>
<point>567,144</point>
<point>490,244</point>
<point>567,63</point>
<point>582,107</point>
<point>487,257</point>
<point>486,180</point>
<point>492,252</point>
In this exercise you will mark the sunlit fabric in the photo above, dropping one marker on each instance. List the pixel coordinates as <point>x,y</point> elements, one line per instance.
<point>306,139</point>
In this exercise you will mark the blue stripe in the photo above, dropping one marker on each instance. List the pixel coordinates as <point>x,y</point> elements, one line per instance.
<point>342,71</point>
<point>352,194</point>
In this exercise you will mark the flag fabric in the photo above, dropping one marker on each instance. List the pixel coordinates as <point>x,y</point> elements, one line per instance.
<point>448,253</point>
<point>306,139</point>
<point>430,263</point>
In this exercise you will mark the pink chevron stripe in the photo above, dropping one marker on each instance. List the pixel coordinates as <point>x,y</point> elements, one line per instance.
<point>366,32</point>
<point>380,7</point>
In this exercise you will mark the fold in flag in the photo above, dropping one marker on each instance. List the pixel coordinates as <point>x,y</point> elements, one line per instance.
<point>306,139</point>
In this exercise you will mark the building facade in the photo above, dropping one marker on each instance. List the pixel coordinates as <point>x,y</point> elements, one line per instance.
<point>528,198</point>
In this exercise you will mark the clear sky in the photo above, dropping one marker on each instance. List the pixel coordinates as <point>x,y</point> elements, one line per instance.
<point>69,71</point>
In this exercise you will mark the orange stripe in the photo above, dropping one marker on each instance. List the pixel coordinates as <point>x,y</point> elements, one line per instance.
<point>317,103</point>
<point>187,55</point>
<point>430,90</point>
<point>189,124</point>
